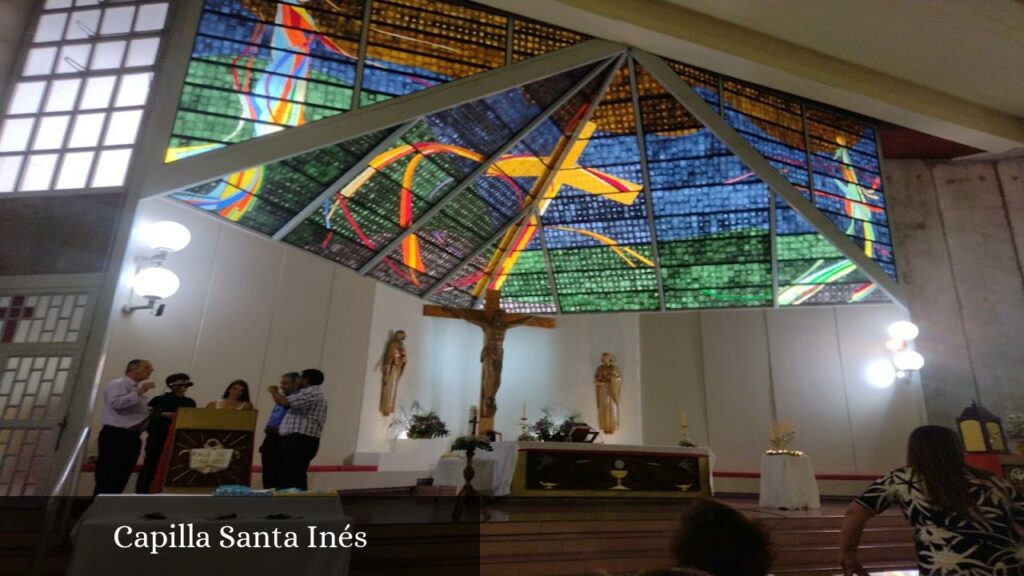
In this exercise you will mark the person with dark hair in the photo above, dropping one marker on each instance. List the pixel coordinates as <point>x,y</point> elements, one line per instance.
<point>721,541</point>
<point>235,397</point>
<point>966,521</point>
<point>162,410</point>
<point>124,418</point>
<point>271,453</point>
<point>301,426</point>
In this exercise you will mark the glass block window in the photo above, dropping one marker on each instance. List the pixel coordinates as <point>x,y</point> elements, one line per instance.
<point>25,459</point>
<point>602,192</point>
<point>78,100</point>
<point>259,66</point>
<point>32,388</point>
<point>42,318</point>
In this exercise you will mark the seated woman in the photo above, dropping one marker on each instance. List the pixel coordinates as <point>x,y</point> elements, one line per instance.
<point>966,521</point>
<point>721,541</point>
<point>236,397</point>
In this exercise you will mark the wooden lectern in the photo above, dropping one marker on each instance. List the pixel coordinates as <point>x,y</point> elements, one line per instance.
<point>207,448</point>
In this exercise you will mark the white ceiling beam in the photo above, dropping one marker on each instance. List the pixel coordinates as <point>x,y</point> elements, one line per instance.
<point>760,166</point>
<point>195,170</point>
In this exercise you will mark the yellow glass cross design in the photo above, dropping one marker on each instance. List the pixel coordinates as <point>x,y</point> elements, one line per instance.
<point>519,236</point>
<point>570,173</point>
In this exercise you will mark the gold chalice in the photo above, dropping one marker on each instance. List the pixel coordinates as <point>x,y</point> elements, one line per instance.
<point>619,474</point>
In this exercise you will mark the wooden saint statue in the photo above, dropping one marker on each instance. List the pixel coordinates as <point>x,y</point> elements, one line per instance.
<point>392,366</point>
<point>608,384</point>
<point>495,322</point>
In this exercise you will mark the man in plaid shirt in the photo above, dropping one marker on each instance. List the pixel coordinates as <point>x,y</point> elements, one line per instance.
<point>301,427</point>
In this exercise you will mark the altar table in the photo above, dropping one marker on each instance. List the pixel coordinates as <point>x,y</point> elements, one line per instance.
<point>96,554</point>
<point>787,481</point>
<point>566,469</point>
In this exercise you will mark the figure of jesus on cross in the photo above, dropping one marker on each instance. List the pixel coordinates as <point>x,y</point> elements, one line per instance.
<point>495,322</point>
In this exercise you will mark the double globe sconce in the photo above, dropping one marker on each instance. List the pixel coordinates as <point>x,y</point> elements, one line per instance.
<point>904,359</point>
<point>152,281</point>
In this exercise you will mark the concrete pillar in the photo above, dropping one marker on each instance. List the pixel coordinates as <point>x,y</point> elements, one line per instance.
<point>957,229</point>
<point>922,259</point>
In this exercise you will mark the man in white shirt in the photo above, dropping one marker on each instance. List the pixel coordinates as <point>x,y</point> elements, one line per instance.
<point>124,417</point>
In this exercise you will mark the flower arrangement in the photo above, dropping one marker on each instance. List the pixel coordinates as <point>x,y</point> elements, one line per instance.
<point>546,430</point>
<point>1013,425</point>
<point>470,444</point>
<point>427,425</point>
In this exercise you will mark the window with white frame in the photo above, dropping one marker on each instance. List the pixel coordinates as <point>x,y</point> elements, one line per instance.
<point>76,107</point>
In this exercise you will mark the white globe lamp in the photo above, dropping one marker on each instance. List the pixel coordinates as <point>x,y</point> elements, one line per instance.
<point>903,330</point>
<point>165,236</point>
<point>908,360</point>
<point>158,283</point>
<point>881,374</point>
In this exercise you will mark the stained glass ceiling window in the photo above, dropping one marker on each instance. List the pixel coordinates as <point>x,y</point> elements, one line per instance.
<point>588,188</point>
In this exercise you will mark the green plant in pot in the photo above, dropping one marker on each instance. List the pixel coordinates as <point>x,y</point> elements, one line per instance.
<point>427,425</point>
<point>469,445</point>
<point>1013,425</point>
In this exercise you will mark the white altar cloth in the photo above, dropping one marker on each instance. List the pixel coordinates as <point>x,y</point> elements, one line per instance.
<point>788,482</point>
<point>96,554</point>
<point>495,469</point>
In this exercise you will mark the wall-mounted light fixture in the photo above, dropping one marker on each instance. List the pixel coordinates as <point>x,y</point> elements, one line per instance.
<point>904,359</point>
<point>152,281</point>
<point>883,373</point>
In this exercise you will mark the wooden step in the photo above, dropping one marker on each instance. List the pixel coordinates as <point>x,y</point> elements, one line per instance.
<point>786,538</point>
<point>825,555</point>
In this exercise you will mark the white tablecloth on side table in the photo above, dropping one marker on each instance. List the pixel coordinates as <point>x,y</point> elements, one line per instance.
<point>493,469</point>
<point>788,481</point>
<point>95,552</point>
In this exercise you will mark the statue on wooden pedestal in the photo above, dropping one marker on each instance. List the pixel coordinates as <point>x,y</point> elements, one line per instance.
<point>608,384</point>
<point>392,366</point>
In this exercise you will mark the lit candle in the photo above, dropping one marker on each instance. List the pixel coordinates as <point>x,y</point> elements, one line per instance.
<point>682,418</point>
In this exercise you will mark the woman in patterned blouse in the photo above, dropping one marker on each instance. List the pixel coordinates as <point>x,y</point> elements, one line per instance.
<point>966,521</point>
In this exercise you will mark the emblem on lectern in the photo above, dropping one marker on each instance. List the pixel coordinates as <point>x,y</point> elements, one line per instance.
<point>212,457</point>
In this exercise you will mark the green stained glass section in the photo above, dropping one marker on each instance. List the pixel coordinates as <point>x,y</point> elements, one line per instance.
<point>267,197</point>
<point>812,271</point>
<point>718,298</point>
<point>711,216</point>
<point>609,302</point>
<point>526,288</point>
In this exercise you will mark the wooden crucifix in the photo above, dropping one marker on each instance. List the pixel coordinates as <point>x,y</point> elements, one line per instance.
<point>494,322</point>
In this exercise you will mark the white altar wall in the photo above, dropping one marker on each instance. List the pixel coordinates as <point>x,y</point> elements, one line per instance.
<point>715,365</point>
<point>542,368</point>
